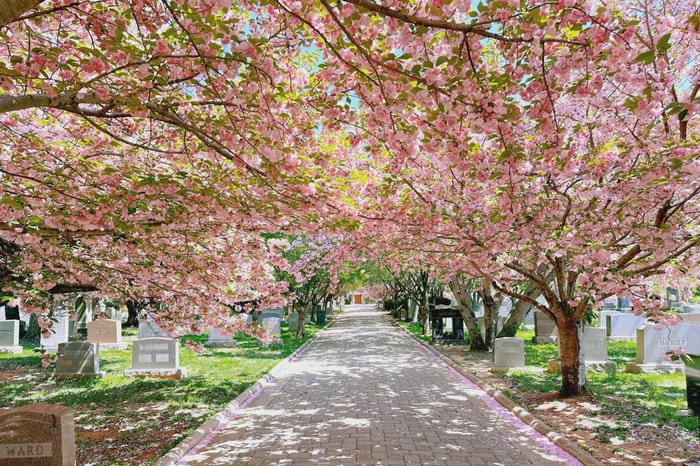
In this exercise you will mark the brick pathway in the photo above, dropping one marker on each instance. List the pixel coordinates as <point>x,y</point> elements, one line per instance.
<point>365,393</point>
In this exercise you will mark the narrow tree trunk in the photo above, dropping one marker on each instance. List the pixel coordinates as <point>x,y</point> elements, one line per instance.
<point>517,314</point>
<point>573,369</point>
<point>302,320</point>
<point>465,305</point>
<point>425,314</point>
<point>490,311</point>
<point>133,319</point>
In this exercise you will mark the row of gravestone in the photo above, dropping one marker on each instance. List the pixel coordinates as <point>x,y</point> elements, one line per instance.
<point>654,344</point>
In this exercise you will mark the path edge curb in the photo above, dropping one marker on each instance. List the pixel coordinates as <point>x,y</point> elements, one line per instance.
<point>552,435</point>
<point>217,420</point>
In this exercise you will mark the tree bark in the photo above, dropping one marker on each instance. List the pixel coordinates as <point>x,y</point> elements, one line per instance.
<point>465,305</point>
<point>10,10</point>
<point>517,314</point>
<point>490,310</point>
<point>573,369</point>
<point>133,319</point>
<point>302,320</point>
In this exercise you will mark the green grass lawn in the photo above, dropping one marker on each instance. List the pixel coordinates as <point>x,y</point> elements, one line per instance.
<point>642,398</point>
<point>115,414</point>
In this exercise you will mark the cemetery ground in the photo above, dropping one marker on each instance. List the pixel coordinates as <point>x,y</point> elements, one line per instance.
<point>133,420</point>
<point>628,419</point>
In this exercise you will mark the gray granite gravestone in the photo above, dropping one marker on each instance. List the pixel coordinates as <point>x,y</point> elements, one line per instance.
<point>37,435</point>
<point>156,357</point>
<point>106,332</point>
<point>78,359</point>
<point>623,326</point>
<point>654,342</point>
<point>218,339</point>
<point>545,329</point>
<point>149,329</point>
<point>508,352</point>
<point>293,321</point>
<point>9,337</point>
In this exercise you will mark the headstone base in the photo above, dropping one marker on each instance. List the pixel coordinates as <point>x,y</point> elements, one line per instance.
<point>543,340</point>
<point>113,346</point>
<point>221,344</point>
<point>622,338</point>
<point>97,375</point>
<point>669,368</point>
<point>276,341</point>
<point>172,374</point>
<point>46,349</point>
<point>11,349</point>
<point>609,367</point>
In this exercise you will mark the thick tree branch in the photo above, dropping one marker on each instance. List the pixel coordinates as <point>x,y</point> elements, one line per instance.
<point>10,10</point>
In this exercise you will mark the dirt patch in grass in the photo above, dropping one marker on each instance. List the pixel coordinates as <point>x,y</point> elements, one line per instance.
<point>608,427</point>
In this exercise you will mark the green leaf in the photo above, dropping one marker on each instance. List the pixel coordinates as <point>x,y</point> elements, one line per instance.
<point>682,114</point>
<point>676,163</point>
<point>645,57</point>
<point>664,43</point>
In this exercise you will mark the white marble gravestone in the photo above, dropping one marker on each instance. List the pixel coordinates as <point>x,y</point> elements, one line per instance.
<point>690,318</point>
<point>9,337</point>
<point>106,332</point>
<point>508,352</point>
<point>545,329</point>
<point>603,317</point>
<point>623,326</point>
<point>654,342</point>
<point>58,335</point>
<point>273,329</point>
<point>78,359</point>
<point>156,357</point>
<point>218,339</point>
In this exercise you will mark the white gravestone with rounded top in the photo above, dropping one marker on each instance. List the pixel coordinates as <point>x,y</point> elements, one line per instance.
<point>58,334</point>
<point>508,352</point>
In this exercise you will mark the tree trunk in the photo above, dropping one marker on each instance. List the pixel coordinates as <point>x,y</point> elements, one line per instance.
<point>490,311</point>
<point>302,320</point>
<point>573,369</point>
<point>465,305</point>
<point>425,315</point>
<point>133,319</point>
<point>517,314</point>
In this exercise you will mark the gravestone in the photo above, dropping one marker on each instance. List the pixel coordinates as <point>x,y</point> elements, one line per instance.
<point>293,322</point>
<point>273,329</point>
<point>411,309</point>
<point>508,352</point>
<point>9,337</point>
<point>610,303</point>
<point>273,312</point>
<point>106,332</point>
<point>59,335</point>
<point>156,357</point>
<point>603,319</point>
<point>624,303</point>
<point>149,329</point>
<point>218,339</point>
<point>691,318</point>
<point>655,341</point>
<point>595,353</point>
<point>545,329</point>
<point>78,359</point>
<point>623,326</point>
<point>673,298</point>
<point>37,435</point>
<point>529,319</point>
<point>2,313</point>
